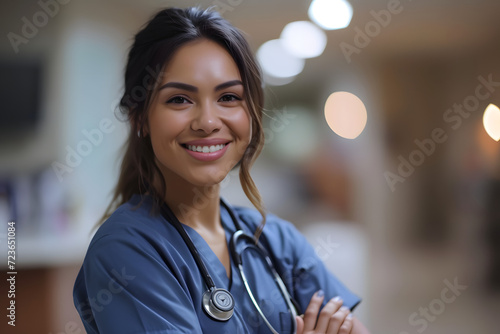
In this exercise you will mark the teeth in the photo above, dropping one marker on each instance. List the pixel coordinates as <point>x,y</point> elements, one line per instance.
<point>206,149</point>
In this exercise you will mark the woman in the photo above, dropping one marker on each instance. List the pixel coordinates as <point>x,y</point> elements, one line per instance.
<point>164,261</point>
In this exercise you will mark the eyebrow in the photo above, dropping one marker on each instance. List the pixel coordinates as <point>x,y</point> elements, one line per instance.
<point>228,84</point>
<point>191,88</point>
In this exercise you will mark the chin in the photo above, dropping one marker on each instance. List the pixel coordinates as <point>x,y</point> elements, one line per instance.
<point>208,181</point>
<point>213,176</point>
<point>211,182</point>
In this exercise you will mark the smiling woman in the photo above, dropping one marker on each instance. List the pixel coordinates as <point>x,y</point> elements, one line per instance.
<point>199,110</point>
<point>171,255</point>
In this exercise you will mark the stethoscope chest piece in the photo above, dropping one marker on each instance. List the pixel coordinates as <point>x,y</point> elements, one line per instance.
<point>218,303</point>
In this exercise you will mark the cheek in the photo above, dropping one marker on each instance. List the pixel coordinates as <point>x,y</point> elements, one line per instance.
<point>163,128</point>
<point>245,126</point>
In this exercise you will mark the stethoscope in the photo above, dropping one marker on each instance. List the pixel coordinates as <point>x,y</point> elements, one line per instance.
<point>218,303</point>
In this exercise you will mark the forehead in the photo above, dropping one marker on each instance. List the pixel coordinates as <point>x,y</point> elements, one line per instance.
<point>201,62</point>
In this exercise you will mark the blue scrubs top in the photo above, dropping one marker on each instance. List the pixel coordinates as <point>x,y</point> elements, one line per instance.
<point>139,276</point>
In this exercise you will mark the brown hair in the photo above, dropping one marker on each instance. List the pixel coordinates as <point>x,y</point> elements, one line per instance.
<point>153,47</point>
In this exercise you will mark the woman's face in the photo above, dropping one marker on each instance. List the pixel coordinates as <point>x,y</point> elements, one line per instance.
<point>199,122</point>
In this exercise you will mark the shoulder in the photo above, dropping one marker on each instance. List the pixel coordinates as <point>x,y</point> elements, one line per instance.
<point>279,234</point>
<point>132,222</point>
<point>136,239</point>
<point>252,218</point>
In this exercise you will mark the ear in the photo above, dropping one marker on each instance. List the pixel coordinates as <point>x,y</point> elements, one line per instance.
<point>145,129</point>
<point>140,127</point>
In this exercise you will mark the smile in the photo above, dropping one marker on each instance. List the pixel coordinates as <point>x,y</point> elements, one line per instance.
<point>205,149</point>
<point>207,153</point>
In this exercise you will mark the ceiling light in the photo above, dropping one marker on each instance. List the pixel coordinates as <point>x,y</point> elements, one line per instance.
<point>303,39</point>
<point>330,14</point>
<point>277,61</point>
<point>345,114</point>
<point>491,121</point>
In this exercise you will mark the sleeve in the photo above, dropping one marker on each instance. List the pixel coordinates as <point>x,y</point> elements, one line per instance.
<point>130,289</point>
<point>301,268</point>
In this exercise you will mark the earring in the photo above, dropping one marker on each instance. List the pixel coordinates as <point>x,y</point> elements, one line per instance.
<point>139,133</point>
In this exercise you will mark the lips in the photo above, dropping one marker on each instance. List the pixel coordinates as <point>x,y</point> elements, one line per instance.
<point>208,149</point>
<point>205,149</point>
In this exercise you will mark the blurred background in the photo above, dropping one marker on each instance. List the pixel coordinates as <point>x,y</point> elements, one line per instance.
<point>407,213</point>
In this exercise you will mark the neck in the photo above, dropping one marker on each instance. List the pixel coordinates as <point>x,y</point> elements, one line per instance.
<point>197,207</point>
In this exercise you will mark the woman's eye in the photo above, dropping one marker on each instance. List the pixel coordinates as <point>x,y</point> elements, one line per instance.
<point>229,98</point>
<point>178,100</point>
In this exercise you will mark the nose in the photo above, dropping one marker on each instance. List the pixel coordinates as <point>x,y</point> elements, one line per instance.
<point>206,119</point>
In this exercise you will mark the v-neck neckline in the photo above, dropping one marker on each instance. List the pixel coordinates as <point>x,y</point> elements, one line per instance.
<point>211,260</point>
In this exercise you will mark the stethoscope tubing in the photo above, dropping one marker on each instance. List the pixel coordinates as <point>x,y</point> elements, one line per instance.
<point>170,217</point>
<point>284,291</point>
<point>196,255</point>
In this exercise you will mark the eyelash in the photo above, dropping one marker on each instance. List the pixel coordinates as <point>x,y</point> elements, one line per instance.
<point>234,98</point>
<point>171,100</point>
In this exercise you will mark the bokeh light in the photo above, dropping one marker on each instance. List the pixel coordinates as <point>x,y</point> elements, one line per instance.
<point>491,121</point>
<point>277,61</point>
<point>303,39</point>
<point>345,114</point>
<point>273,81</point>
<point>330,14</point>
